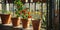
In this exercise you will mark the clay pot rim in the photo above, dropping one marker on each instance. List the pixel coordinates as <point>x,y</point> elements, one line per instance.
<point>37,19</point>
<point>15,17</point>
<point>23,18</point>
<point>5,14</point>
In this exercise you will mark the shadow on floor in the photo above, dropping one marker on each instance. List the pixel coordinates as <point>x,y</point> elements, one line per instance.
<point>2,27</point>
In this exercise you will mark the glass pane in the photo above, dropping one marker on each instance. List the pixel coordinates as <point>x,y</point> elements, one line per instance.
<point>44,8</point>
<point>0,6</point>
<point>27,5</point>
<point>32,6</point>
<point>38,6</point>
<point>11,7</point>
<point>7,6</point>
<point>0,0</point>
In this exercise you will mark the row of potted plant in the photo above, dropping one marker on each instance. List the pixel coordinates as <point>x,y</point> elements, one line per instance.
<point>6,19</point>
<point>20,11</point>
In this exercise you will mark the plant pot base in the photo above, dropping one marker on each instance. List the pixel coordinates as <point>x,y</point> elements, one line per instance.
<point>16,26</point>
<point>5,18</point>
<point>36,24</point>
<point>24,23</point>
<point>15,21</point>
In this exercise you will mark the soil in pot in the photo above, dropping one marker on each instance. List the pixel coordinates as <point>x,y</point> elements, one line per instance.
<point>15,21</point>
<point>24,23</point>
<point>35,24</point>
<point>5,18</point>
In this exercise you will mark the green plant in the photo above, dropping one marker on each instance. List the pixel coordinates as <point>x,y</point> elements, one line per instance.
<point>5,12</point>
<point>44,18</point>
<point>21,10</point>
<point>25,14</point>
<point>19,7</point>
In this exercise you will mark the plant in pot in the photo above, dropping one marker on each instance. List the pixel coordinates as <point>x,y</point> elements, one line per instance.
<point>35,24</point>
<point>16,17</point>
<point>36,21</point>
<point>5,17</point>
<point>25,15</point>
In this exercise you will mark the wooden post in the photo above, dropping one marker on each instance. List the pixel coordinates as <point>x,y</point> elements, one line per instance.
<point>59,15</point>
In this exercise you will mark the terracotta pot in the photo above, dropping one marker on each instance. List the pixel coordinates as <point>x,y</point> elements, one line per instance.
<point>5,18</point>
<point>15,21</point>
<point>24,23</point>
<point>36,24</point>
